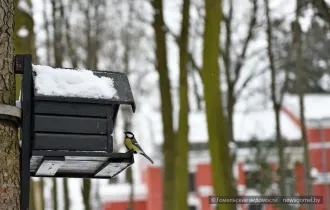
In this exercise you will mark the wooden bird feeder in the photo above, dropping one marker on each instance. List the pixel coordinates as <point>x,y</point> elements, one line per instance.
<point>67,136</point>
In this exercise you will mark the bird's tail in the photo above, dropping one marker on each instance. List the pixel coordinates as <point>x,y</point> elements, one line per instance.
<point>146,156</point>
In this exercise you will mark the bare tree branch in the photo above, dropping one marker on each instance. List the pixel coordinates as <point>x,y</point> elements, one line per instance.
<point>72,51</point>
<point>232,75</point>
<point>323,10</point>
<point>248,80</point>
<point>276,104</point>
<point>241,58</point>
<point>194,64</point>
<point>226,52</point>
<point>176,37</point>
<point>199,98</point>
<point>284,87</point>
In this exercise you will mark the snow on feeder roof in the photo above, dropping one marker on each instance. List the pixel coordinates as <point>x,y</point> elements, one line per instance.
<point>71,84</point>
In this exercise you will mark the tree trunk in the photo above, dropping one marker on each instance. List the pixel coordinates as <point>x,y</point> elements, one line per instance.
<point>228,72</point>
<point>166,104</point>
<point>37,195</point>
<point>182,142</point>
<point>218,142</point>
<point>26,45</point>
<point>46,27</point>
<point>280,148</point>
<point>276,103</point>
<point>55,206</point>
<point>301,91</point>
<point>57,11</point>
<point>42,202</point>
<point>66,194</point>
<point>72,51</point>
<point>230,114</point>
<point>32,196</point>
<point>9,149</point>
<point>86,192</point>
<point>97,197</point>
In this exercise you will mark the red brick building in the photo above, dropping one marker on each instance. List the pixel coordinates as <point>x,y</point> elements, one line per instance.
<point>149,190</point>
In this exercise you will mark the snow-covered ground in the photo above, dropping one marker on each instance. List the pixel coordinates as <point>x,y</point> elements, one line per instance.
<point>256,124</point>
<point>317,105</point>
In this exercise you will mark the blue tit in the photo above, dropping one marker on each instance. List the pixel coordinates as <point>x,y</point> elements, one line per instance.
<point>132,145</point>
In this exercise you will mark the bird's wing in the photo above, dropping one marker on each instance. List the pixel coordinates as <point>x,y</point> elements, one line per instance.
<point>134,141</point>
<point>137,145</point>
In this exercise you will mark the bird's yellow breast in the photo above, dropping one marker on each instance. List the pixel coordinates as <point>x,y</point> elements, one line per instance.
<point>128,143</point>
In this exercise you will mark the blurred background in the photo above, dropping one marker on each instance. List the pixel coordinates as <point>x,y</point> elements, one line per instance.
<point>235,105</point>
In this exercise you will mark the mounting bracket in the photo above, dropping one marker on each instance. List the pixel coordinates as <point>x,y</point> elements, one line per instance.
<point>9,112</point>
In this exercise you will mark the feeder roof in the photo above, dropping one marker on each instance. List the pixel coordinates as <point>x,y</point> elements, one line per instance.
<point>89,86</point>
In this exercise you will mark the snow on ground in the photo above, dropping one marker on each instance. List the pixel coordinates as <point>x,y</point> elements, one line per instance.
<point>72,83</point>
<point>261,125</point>
<point>316,105</point>
<point>251,192</point>
<point>120,192</point>
<point>247,125</point>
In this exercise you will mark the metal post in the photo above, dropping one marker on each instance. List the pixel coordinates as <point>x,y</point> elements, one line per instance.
<point>26,132</point>
<point>324,165</point>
